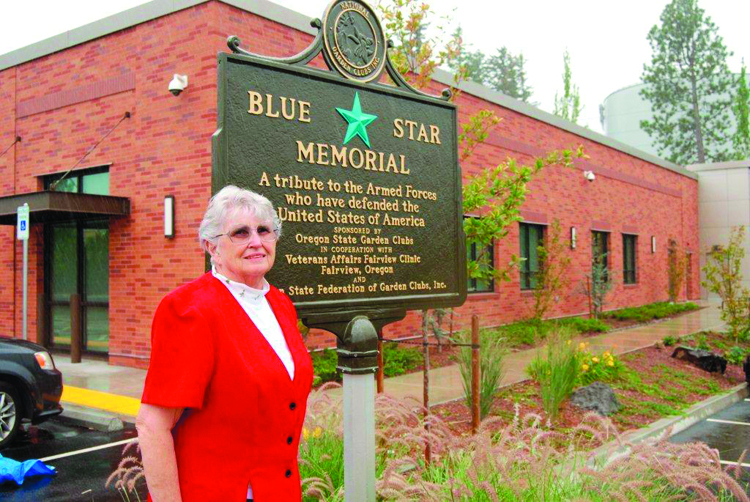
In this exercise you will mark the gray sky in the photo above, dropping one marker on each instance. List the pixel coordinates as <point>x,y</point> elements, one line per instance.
<point>606,38</point>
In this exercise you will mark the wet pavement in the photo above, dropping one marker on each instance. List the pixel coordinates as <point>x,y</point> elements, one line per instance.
<point>728,431</point>
<point>84,459</point>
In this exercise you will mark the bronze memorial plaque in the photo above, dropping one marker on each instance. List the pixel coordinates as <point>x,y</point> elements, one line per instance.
<point>365,177</point>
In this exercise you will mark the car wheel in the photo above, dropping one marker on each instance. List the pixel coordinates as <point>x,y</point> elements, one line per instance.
<point>10,413</point>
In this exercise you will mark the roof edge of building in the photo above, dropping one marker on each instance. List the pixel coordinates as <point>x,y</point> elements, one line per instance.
<point>516,105</point>
<point>269,10</point>
<point>715,166</point>
<point>97,29</point>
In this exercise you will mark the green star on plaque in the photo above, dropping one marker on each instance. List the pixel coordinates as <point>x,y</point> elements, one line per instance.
<point>358,121</point>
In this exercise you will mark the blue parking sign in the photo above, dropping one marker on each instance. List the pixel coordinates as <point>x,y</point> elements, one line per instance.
<point>22,230</point>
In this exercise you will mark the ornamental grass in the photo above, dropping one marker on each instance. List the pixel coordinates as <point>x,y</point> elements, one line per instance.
<point>557,373</point>
<point>524,460</point>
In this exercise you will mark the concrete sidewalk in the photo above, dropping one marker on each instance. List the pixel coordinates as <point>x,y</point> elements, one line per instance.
<point>117,390</point>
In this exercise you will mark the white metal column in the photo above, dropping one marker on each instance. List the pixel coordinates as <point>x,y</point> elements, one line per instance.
<point>359,437</point>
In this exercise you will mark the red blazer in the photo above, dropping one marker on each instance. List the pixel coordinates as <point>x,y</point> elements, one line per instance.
<point>245,414</point>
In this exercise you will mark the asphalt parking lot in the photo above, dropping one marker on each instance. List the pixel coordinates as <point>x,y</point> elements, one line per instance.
<point>728,431</point>
<point>84,459</point>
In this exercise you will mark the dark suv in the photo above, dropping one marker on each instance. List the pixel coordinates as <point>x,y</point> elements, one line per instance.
<point>30,386</point>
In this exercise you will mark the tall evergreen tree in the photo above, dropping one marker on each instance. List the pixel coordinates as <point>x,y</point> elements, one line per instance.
<point>568,106</point>
<point>688,85</point>
<point>503,71</point>
<point>741,108</point>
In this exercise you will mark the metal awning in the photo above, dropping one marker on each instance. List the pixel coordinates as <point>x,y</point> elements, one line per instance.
<point>50,207</point>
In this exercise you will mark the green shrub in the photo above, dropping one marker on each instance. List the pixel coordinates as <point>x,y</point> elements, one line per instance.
<point>669,341</point>
<point>702,342</point>
<point>531,332</point>
<point>736,355</point>
<point>324,365</point>
<point>649,312</point>
<point>557,373</point>
<point>583,325</point>
<point>520,333</point>
<point>491,369</point>
<point>398,360</point>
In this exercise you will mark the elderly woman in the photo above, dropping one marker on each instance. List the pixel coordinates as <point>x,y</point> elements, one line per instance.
<point>227,388</point>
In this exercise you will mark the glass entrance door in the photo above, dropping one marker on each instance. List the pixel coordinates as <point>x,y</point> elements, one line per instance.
<point>96,289</point>
<point>79,263</point>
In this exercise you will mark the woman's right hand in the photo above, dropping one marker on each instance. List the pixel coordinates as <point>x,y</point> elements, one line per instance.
<point>154,425</point>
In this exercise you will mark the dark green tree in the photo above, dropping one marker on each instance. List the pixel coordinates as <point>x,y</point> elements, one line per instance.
<point>502,71</point>
<point>741,109</point>
<point>568,106</point>
<point>505,72</point>
<point>689,87</point>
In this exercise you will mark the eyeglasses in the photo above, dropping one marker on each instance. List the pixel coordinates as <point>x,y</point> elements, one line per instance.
<point>242,235</point>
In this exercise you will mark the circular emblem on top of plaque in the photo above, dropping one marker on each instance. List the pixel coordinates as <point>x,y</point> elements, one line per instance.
<point>353,40</point>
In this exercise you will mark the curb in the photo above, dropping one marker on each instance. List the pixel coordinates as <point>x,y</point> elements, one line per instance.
<point>92,418</point>
<point>610,451</point>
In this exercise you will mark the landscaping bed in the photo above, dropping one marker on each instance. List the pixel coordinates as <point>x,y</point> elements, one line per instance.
<point>519,453</point>
<point>641,390</point>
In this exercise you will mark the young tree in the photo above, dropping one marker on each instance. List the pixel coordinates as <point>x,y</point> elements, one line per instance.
<point>553,266</point>
<point>688,85</point>
<point>568,106</point>
<point>741,109</point>
<point>415,55</point>
<point>678,260</point>
<point>497,194</point>
<point>597,285</point>
<point>724,277</point>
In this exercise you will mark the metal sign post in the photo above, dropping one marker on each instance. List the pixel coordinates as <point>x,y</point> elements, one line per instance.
<point>22,234</point>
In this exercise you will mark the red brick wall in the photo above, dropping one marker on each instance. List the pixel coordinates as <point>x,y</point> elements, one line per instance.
<point>63,103</point>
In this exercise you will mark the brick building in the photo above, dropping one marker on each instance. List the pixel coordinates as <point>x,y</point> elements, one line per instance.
<point>101,234</point>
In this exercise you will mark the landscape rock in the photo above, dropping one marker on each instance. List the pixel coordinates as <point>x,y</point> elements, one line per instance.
<point>704,359</point>
<point>598,397</point>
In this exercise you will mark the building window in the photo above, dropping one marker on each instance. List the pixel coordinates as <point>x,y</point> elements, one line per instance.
<point>531,237</point>
<point>600,250</point>
<point>486,258</point>
<point>92,181</point>
<point>628,258</point>
<point>487,262</point>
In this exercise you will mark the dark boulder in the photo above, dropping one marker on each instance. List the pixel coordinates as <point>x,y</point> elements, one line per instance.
<point>597,397</point>
<point>704,359</point>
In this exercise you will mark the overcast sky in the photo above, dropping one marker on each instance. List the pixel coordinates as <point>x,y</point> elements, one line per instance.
<point>606,38</point>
